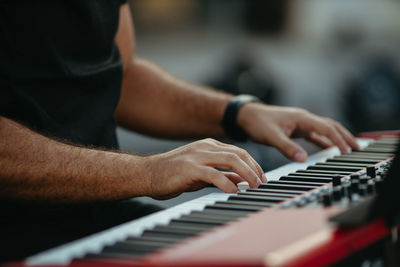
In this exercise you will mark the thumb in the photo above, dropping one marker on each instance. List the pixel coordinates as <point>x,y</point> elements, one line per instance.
<point>290,149</point>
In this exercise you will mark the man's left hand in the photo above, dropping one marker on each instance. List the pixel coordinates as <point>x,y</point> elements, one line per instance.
<point>274,125</point>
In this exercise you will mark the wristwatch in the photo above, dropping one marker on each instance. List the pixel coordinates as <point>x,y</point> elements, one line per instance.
<point>229,121</point>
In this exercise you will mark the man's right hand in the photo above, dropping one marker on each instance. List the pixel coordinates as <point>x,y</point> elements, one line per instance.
<point>198,164</point>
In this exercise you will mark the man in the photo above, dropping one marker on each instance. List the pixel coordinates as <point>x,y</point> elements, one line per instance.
<point>64,88</point>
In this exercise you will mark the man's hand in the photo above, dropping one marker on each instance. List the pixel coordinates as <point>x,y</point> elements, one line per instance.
<point>37,169</point>
<point>273,125</point>
<point>193,166</point>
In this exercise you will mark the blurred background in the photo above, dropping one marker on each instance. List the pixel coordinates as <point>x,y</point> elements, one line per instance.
<point>339,59</point>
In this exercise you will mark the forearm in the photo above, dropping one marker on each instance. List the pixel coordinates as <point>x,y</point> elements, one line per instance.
<point>156,103</point>
<point>35,168</point>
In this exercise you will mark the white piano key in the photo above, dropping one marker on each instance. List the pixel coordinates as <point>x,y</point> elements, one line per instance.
<point>94,243</point>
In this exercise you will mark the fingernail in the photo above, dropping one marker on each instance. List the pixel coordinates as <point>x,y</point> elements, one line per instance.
<point>300,156</point>
<point>348,149</point>
<point>264,178</point>
<point>259,181</point>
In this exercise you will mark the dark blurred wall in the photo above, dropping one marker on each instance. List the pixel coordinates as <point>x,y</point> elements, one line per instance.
<point>256,16</point>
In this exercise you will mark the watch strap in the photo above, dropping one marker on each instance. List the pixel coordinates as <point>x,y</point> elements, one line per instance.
<point>229,121</point>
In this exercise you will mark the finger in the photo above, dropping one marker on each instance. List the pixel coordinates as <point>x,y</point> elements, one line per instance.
<point>245,156</point>
<point>233,177</point>
<point>264,178</point>
<point>350,139</point>
<point>289,148</point>
<point>215,145</point>
<point>231,161</point>
<point>260,171</point>
<point>325,127</point>
<point>218,179</point>
<point>338,140</point>
<point>319,140</point>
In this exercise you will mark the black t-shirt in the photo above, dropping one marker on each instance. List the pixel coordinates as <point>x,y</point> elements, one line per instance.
<point>60,69</point>
<point>60,74</point>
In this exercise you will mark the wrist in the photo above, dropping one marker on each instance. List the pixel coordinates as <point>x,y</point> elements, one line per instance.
<point>230,121</point>
<point>246,114</point>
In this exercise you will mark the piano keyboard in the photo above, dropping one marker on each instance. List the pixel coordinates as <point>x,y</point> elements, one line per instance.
<point>291,186</point>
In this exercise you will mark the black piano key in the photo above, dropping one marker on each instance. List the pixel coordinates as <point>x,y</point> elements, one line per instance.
<point>306,179</point>
<point>114,255</point>
<point>264,194</point>
<point>372,152</point>
<point>344,164</point>
<point>159,239</point>
<point>333,168</point>
<point>248,203</point>
<point>190,225</point>
<point>369,153</point>
<point>388,140</point>
<point>325,172</point>
<point>287,187</point>
<point>318,175</point>
<point>176,230</point>
<point>387,145</point>
<point>257,198</point>
<point>313,184</point>
<point>363,156</point>
<point>178,236</point>
<point>226,206</point>
<point>277,191</point>
<point>207,219</point>
<point>191,219</point>
<point>380,148</point>
<point>222,216</point>
<point>137,246</point>
<point>377,150</point>
<point>143,244</point>
<point>350,160</point>
<point>140,243</point>
<point>184,227</point>
<point>225,212</point>
<point>116,249</point>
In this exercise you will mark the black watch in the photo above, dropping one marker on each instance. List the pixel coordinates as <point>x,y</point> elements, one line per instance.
<point>229,121</point>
